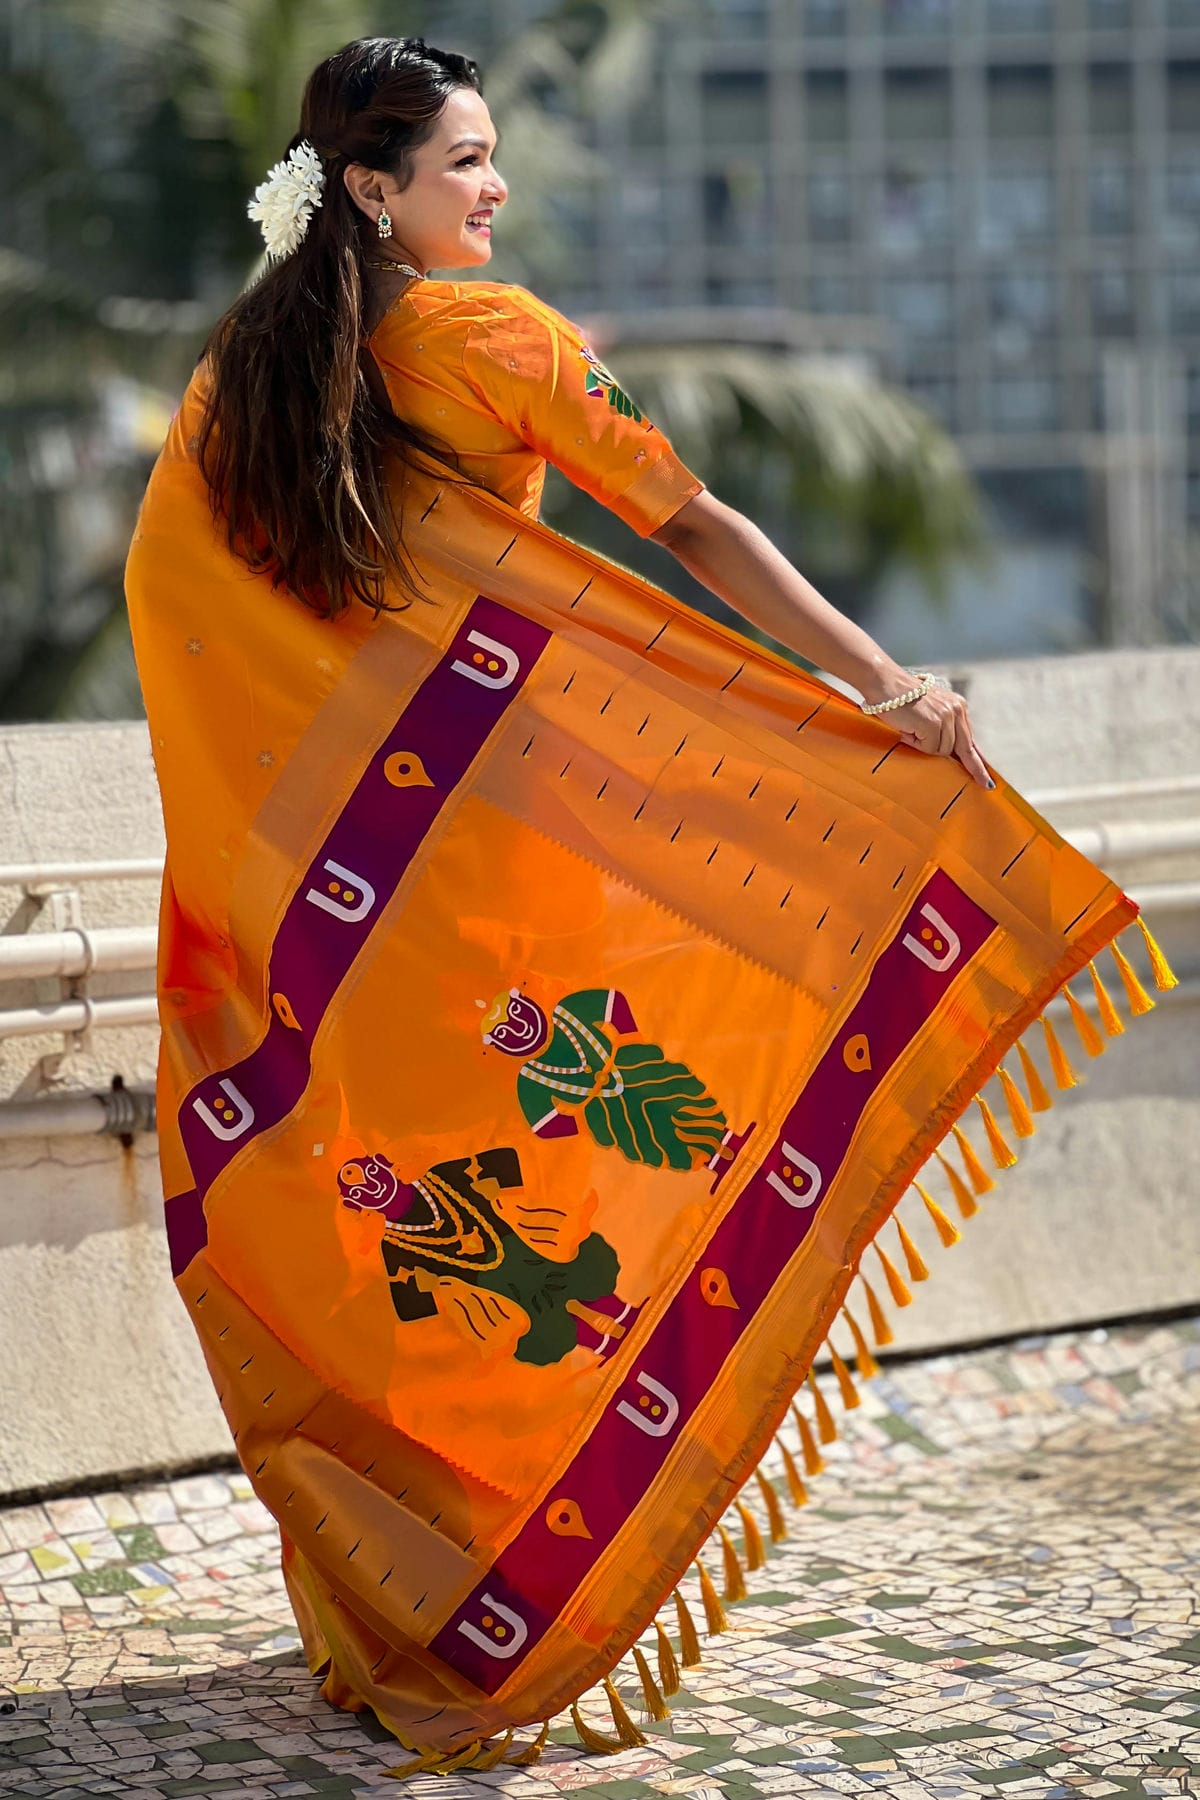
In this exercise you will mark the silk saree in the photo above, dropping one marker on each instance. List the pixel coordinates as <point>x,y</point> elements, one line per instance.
<point>559,996</point>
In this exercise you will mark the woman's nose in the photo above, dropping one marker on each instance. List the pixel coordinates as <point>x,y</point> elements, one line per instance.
<point>497,188</point>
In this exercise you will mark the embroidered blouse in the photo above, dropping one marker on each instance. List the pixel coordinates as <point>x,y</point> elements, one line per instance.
<point>510,385</point>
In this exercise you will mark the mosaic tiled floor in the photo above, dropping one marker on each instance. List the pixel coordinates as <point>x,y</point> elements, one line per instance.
<point>993,1591</point>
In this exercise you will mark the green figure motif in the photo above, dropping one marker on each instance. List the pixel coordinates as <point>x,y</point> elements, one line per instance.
<point>462,1232</point>
<point>585,1063</point>
<point>600,382</point>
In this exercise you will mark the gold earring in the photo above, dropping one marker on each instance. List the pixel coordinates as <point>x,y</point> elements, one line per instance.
<point>383,224</point>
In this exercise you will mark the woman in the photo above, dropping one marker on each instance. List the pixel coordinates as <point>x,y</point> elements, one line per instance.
<point>558,994</point>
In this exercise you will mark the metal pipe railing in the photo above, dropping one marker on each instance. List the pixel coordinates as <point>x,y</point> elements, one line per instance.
<point>78,1015</point>
<point>119,1112</point>
<point>78,951</point>
<point>68,874</point>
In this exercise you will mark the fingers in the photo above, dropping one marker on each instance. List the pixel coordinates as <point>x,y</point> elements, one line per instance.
<point>940,726</point>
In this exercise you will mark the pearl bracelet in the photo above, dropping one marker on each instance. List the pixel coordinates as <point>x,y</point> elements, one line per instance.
<point>924,683</point>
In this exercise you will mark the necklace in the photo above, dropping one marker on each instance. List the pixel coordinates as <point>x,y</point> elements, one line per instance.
<point>396,268</point>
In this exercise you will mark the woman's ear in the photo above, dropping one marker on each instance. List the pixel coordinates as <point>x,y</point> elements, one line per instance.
<point>362,185</point>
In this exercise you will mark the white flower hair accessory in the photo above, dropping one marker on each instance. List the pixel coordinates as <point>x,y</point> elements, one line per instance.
<point>283,203</point>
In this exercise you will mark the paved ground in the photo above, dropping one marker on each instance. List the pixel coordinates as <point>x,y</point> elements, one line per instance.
<point>993,1591</point>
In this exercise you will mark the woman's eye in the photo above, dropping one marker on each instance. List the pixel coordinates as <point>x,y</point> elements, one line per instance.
<point>466,162</point>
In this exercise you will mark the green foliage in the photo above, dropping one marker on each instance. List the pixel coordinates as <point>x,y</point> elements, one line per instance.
<point>133,132</point>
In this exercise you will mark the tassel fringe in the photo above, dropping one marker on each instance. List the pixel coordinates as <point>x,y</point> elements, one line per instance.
<point>1039,1099</point>
<point>714,1613</point>
<point>864,1361</point>
<point>775,1519</point>
<point>1089,1037</point>
<point>826,1429</point>
<point>1110,1018</point>
<point>896,1287</point>
<point>797,1491</point>
<point>814,1462</point>
<point>532,1753</point>
<point>655,1705</point>
<point>879,1326</point>
<point>668,1667</point>
<point>756,1550</point>
<point>964,1199</point>
<point>846,1387</point>
<point>1165,977</point>
<point>948,1233</point>
<point>981,1182</point>
<point>1002,1155</point>
<point>913,1260</point>
<point>1139,1000</point>
<point>689,1637</point>
<point>735,1580</point>
<point>1064,1075</point>
<point>1014,1099</point>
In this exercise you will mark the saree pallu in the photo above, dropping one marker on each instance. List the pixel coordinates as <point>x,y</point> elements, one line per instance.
<point>558,994</point>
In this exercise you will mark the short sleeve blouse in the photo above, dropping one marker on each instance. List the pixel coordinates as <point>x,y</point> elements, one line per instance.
<point>509,385</point>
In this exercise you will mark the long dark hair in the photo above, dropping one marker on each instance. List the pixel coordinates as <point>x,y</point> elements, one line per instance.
<point>298,438</point>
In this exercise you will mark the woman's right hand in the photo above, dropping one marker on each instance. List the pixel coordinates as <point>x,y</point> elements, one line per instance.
<point>940,725</point>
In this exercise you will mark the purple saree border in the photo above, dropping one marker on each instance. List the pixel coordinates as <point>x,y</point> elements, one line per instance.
<point>502,1619</point>
<point>345,889</point>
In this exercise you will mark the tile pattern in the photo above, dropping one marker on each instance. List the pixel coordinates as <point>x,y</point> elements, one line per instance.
<point>992,1591</point>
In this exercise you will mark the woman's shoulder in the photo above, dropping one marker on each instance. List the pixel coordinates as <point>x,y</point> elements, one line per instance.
<point>474,312</point>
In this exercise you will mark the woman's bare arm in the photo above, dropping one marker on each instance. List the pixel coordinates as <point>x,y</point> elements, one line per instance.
<point>737,562</point>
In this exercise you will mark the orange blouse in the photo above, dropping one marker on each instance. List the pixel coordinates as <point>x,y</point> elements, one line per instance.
<point>511,385</point>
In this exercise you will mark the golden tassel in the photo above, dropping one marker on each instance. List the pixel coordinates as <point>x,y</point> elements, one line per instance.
<point>714,1613</point>
<point>532,1752</point>
<point>689,1637</point>
<point>826,1429</point>
<point>735,1581</point>
<point>756,1551</point>
<point>425,1764</point>
<point>879,1325</point>
<point>867,1366</point>
<point>1110,1018</point>
<point>981,1182</point>
<point>814,1462</point>
<point>1039,1099</point>
<point>656,1706</point>
<point>1139,1000</point>
<point>912,1256</point>
<point>967,1204</point>
<point>1002,1156</point>
<point>846,1387</point>
<point>896,1287</point>
<point>948,1233</point>
<point>1064,1074</point>
<point>796,1488</point>
<point>668,1668</point>
<point>628,1733</point>
<point>1165,977</point>
<point>459,1760</point>
<point>490,1758</point>
<point>775,1518</point>
<point>594,1740</point>
<point>1014,1099</point>
<point>1089,1037</point>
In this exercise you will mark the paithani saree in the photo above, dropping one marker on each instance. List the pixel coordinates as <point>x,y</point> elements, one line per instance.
<point>559,996</point>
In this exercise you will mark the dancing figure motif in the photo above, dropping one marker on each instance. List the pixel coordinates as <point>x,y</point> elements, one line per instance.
<point>462,1242</point>
<point>587,1063</point>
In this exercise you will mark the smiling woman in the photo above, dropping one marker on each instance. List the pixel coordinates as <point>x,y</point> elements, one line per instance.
<point>559,993</point>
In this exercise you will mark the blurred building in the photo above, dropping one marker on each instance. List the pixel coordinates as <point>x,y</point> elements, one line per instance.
<point>1012,187</point>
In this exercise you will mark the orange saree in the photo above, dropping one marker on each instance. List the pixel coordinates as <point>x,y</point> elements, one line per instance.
<point>558,997</point>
